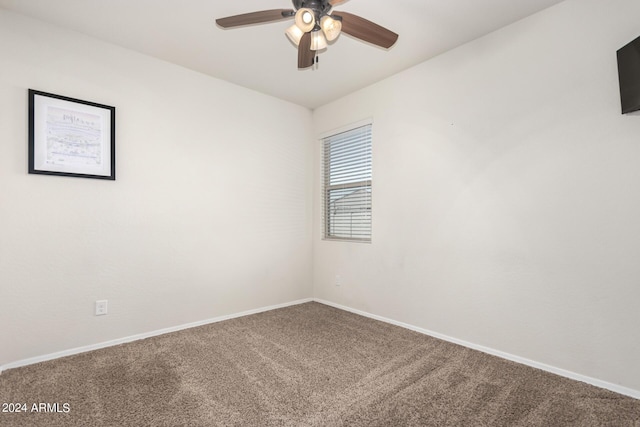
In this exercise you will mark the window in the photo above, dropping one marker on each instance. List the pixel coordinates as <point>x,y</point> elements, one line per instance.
<point>346,163</point>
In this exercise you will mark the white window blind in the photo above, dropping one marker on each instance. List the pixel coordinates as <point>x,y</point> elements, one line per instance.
<point>347,185</point>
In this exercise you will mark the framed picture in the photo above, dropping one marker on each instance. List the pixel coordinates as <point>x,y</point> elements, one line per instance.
<point>70,137</point>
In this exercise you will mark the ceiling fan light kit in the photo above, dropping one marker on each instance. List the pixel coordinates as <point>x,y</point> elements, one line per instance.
<point>318,40</point>
<point>305,19</point>
<point>315,25</point>
<point>331,27</point>
<point>295,34</point>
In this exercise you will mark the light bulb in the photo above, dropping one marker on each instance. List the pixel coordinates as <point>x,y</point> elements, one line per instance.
<point>294,33</point>
<point>305,19</point>
<point>318,41</point>
<point>331,27</point>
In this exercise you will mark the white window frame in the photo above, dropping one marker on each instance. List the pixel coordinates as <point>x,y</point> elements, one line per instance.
<point>366,184</point>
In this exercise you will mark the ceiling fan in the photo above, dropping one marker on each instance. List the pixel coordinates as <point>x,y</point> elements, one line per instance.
<point>315,25</point>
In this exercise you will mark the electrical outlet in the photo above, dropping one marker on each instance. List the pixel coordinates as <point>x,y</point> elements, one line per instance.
<point>101,307</point>
<point>338,280</point>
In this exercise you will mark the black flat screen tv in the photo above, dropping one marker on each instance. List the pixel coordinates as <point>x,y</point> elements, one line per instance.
<point>629,76</point>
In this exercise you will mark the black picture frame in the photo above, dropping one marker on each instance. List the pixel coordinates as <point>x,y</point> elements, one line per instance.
<point>71,137</point>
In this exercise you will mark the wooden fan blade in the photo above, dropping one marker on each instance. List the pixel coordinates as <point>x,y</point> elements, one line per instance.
<point>306,56</point>
<point>255,17</point>
<point>336,2</point>
<point>366,30</point>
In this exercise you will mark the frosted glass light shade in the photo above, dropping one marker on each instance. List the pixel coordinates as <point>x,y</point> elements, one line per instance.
<point>305,19</point>
<point>318,41</point>
<point>294,33</point>
<point>331,27</point>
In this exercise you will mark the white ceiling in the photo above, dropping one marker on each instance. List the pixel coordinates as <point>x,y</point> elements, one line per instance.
<point>260,57</point>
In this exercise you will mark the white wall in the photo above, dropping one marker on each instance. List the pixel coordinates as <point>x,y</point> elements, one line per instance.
<point>210,213</point>
<point>506,195</point>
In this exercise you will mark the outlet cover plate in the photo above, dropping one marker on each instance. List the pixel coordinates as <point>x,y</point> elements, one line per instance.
<point>101,307</point>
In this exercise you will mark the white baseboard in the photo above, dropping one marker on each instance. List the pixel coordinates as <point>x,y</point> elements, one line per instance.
<point>84,349</point>
<point>558,371</point>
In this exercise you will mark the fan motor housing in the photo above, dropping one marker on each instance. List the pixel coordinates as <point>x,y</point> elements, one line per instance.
<point>318,6</point>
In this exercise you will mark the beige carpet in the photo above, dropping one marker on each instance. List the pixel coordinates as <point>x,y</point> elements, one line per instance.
<point>307,365</point>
